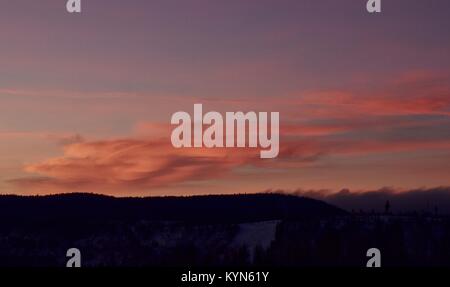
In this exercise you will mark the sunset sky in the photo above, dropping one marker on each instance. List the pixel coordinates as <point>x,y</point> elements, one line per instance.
<point>86,99</point>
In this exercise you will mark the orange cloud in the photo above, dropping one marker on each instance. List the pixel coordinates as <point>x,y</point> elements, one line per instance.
<point>127,165</point>
<point>320,127</point>
<point>411,94</point>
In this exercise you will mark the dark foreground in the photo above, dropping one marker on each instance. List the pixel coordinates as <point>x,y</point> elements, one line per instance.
<point>217,231</point>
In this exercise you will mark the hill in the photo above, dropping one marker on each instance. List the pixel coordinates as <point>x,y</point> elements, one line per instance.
<point>211,208</point>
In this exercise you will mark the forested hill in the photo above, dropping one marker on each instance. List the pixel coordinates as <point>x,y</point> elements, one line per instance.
<point>211,208</point>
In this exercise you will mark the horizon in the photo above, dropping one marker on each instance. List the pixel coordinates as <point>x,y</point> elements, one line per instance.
<point>434,201</point>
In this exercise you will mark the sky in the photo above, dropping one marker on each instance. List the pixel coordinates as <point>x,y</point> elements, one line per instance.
<point>86,99</point>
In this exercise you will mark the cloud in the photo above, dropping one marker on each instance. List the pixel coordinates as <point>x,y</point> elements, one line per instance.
<point>329,127</point>
<point>415,99</point>
<point>59,138</point>
<point>423,199</point>
<point>65,139</point>
<point>409,114</point>
<point>129,165</point>
<point>413,93</point>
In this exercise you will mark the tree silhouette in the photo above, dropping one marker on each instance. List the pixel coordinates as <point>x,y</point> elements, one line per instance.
<point>387,207</point>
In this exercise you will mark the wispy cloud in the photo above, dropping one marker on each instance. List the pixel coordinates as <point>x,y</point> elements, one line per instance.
<point>126,165</point>
<point>329,123</point>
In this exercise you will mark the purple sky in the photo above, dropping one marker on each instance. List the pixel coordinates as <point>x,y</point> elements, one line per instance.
<point>85,100</point>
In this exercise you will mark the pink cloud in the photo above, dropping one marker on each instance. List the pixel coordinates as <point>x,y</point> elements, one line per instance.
<point>127,165</point>
<point>316,129</point>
